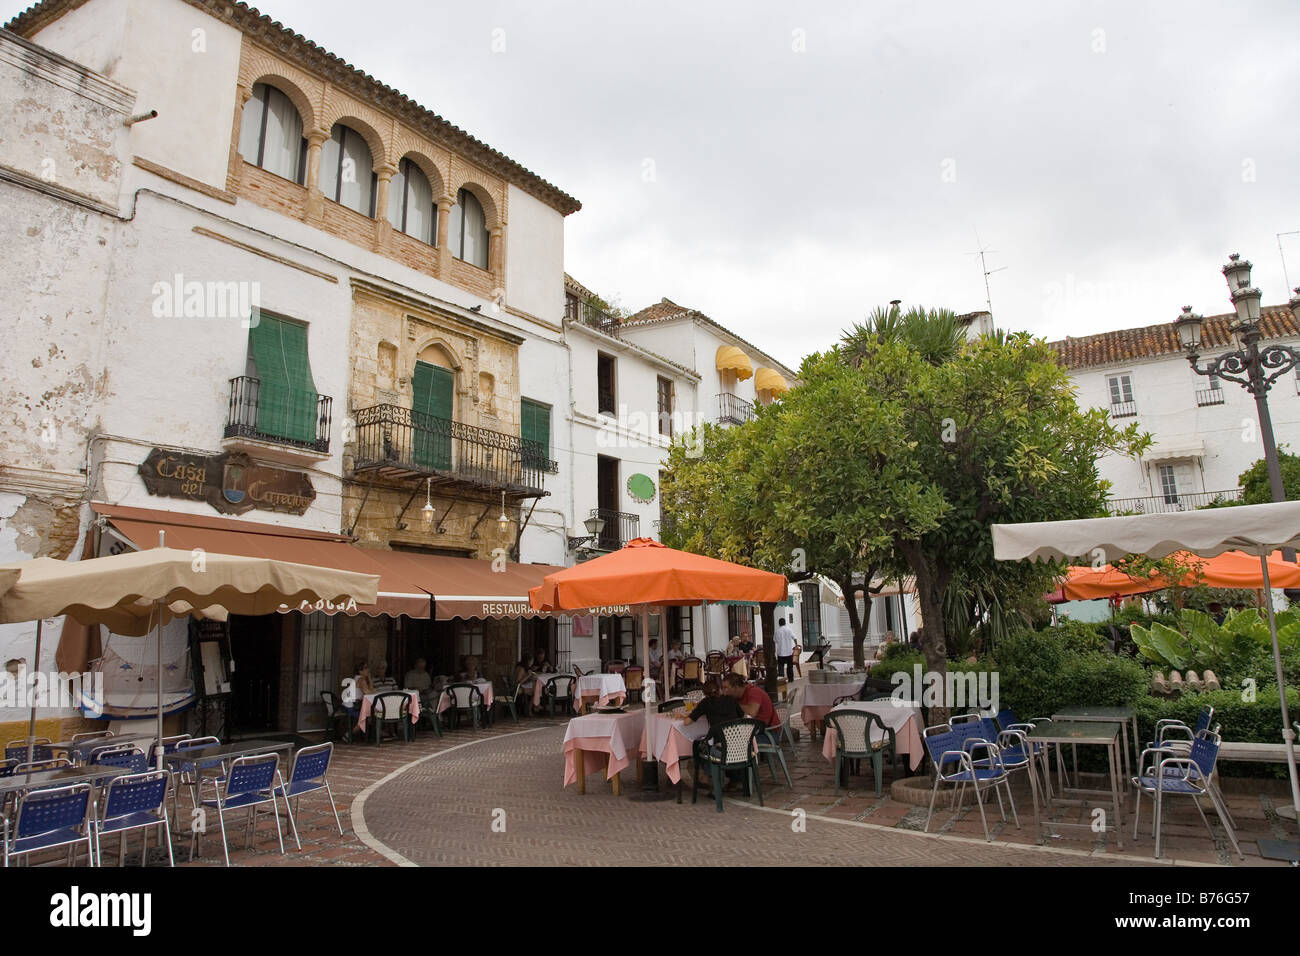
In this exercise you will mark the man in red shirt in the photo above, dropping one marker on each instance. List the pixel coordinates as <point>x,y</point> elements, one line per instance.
<point>753,700</point>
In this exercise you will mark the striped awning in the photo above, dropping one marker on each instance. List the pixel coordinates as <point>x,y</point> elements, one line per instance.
<point>770,380</point>
<point>732,359</point>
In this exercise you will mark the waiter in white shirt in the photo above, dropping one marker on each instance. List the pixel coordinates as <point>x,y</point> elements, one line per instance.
<point>785,641</point>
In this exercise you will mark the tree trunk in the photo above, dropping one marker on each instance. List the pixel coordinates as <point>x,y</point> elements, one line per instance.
<point>858,623</point>
<point>930,585</point>
<point>767,615</point>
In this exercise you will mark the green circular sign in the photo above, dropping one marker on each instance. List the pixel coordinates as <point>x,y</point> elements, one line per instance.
<point>641,488</point>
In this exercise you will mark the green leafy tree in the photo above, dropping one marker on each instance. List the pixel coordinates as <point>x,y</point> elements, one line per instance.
<point>1254,486</point>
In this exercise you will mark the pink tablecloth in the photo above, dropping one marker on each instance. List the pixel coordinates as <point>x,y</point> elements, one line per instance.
<point>904,719</point>
<point>602,688</point>
<point>484,688</point>
<point>817,699</point>
<point>670,739</point>
<point>612,738</point>
<point>368,702</point>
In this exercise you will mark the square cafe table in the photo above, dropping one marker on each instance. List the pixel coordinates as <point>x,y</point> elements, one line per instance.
<point>609,740</point>
<point>49,779</point>
<point>1099,733</point>
<point>1122,715</point>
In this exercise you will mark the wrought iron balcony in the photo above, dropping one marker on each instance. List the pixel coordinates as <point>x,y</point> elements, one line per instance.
<point>1209,396</point>
<point>397,443</point>
<point>620,528</point>
<point>1123,409</point>
<point>1163,504</point>
<point>285,416</point>
<point>733,409</point>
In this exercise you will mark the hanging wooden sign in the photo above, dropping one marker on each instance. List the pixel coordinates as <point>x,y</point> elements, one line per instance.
<point>230,482</point>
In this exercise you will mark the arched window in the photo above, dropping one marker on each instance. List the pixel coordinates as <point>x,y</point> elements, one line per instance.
<point>270,134</point>
<point>410,203</point>
<point>469,235</point>
<point>347,173</point>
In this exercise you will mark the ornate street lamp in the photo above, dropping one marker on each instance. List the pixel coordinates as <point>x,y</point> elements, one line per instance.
<point>594,525</point>
<point>1250,366</point>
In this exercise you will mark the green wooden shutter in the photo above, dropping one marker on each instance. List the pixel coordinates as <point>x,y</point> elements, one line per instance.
<point>535,426</point>
<point>431,388</point>
<point>286,397</point>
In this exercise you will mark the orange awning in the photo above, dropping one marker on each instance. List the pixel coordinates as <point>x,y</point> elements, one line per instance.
<point>398,595</point>
<point>1232,569</point>
<point>770,380</point>
<point>732,359</point>
<point>646,572</point>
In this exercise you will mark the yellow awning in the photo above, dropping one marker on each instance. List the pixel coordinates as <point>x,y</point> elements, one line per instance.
<point>770,380</point>
<point>732,359</point>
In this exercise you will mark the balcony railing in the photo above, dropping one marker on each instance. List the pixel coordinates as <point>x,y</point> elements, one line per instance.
<point>733,409</point>
<point>588,314</point>
<point>398,443</point>
<point>285,416</point>
<point>620,528</point>
<point>1209,396</point>
<point>1123,409</point>
<point>1163,504</point>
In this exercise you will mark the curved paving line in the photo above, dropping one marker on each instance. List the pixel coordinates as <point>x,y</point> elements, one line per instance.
<point>359,804</point>
<point>362,831</point>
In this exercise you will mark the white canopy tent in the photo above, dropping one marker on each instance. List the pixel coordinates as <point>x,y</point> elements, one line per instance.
<point>1257,529</point>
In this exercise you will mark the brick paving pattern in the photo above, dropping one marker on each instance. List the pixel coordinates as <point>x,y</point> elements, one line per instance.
<point>434,802</point>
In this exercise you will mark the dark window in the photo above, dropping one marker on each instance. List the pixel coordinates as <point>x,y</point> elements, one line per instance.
<point>665,407</point>
<point>811,618</point>
<point>740,622</point>
<point>605,384</point>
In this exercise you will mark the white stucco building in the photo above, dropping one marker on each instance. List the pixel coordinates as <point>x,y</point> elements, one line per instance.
<point>1206,432</point>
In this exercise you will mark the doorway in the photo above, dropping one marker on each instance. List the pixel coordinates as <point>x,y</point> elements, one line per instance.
<point>255,682</point>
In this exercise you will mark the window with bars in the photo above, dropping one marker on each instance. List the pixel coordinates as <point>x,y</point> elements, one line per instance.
<point>810,620</point>
<point>317,658</point>
<point>469,638</point>
<point>740,622</point>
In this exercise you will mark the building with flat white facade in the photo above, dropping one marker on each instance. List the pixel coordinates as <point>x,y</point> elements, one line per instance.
<point>1205,431</point>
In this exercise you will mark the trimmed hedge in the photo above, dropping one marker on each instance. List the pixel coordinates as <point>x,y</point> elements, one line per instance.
<point>1039,675</point>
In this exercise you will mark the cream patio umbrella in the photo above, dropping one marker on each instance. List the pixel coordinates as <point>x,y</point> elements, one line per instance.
<point>1257,529</point>
<point>136,592</point>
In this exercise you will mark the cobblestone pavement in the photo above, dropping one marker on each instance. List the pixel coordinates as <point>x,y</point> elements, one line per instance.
<point>433,801</point>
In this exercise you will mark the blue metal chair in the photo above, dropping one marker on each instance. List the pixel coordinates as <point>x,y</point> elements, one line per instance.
<point>307,775</point>
<point>17,750</point>
<point>948,747</point>
<point>1189,776</point>
<point>249,785</point>
<point>41,766</point>
<point>1175,734</point>
<point>560,690</point>
<point>136,802</point>
<point>189,773</point>
<point>133,758</point>
<point>1015,753</point>
<point>7,767</point>
<point>45,819</point>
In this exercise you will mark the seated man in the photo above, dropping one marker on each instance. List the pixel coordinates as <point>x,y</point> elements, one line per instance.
<point>419,678</point>
<point>753,700</point>
<point>382,681</point>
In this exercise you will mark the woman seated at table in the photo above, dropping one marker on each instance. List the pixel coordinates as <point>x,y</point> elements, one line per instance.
<point>356,688</point>
<point>540,664</point>
<point>718,708</point>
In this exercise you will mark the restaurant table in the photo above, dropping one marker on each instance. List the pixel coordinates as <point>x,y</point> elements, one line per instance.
<point>1122,715</point>
<point>601,740</point>
<point>539,685</point>
<point>904,718</point>
<point>82,748</point>
<point>444,699</point>
<point>212,756</point>
<point>670,737</point>
<point>818,699</point>
<point>368,703</point>
<point>602,688</point>
<point>48,779</point>
<point>1076,732</point>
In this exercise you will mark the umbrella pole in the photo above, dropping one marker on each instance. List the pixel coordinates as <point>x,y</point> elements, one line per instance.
<point>1288,734</point>
<point>31,724</point>
<point>158,753</point>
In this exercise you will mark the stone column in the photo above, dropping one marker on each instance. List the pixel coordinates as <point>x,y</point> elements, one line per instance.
<point>383,228</point>
<point>315,200</point>
<point>496,260</point>
<point>443,258</point>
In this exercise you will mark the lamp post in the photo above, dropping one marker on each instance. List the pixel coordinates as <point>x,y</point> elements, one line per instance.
<point>1251,366</point>
<point>594,525</point>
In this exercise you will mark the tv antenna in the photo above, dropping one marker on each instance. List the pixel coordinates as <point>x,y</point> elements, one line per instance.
<point>1285,279</point>
<point>983,251</point>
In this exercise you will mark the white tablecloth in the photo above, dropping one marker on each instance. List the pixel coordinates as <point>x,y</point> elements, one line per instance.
<point>484,688</point>
<point>539,686</point>
<point>615,736</point>
<point>670,739</point>
<point>602,686</point>
<point>824,695</point>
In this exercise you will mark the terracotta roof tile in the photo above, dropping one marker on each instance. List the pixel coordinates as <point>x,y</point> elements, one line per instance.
<point>1153,341</point>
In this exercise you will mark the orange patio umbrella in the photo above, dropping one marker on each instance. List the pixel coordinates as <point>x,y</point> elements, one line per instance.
<point>647,574</point>
<point>1232,569</point>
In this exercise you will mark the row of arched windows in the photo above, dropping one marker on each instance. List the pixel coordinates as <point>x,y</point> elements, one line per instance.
<point>271,137</point>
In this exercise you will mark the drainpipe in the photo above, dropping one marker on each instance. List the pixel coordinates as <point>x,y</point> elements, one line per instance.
<point>573,502</point>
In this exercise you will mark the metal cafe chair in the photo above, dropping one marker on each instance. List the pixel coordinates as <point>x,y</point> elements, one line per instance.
<point>17,750</point>
<point>189,773</point>
<point>391,708</point>
<point>45,819</point>
<point>40,766</point>
<point>249,785</point>
<point>560,690</point>
<point>1188,776</point>
<point>769,746</point>
<point>307,775</point>
<point>945,747</point>
<point>137,802</point>
<point>133,758</point>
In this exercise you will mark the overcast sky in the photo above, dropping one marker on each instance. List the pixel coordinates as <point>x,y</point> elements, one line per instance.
<point>784,167</point>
